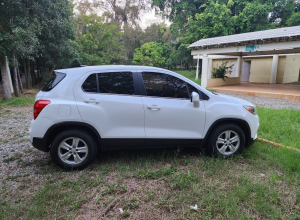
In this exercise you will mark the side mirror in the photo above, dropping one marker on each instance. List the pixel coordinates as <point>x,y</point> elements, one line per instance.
<point>195,99</point>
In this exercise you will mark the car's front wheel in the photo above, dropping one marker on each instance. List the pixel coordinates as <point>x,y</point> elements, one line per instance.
<point>73,149</point>
<point>227,140</point>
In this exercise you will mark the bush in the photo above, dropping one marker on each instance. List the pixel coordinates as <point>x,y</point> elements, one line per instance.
<point>222,70</point>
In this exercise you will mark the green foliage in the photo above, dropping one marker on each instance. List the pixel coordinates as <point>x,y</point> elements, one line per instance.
<point>132,202</point>
<point>98,42</point>
<point>294,20</point>
<point>126,213</point>
<point>37,29</point>
<point>150,54</point>
<point>222,70</point>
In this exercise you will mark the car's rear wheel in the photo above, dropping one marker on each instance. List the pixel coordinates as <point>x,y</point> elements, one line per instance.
<point>227,140</point>
<point>73,149</point>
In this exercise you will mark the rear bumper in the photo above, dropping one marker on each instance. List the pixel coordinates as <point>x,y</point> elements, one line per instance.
<point>39,143</point>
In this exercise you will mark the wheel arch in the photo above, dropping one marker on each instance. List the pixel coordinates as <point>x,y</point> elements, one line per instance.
<point>63,126</point>
<point>239,122</point>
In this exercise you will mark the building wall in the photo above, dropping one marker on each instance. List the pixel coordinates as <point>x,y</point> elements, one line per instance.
<point>280,69</point>
<point>221,82</point>
<point>217,62</point>
<point>261,67</point>
<point>291,71</point>
<point>260,71</point>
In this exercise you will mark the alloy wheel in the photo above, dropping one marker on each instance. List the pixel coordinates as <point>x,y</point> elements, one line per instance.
<point>228,142</point>
<point>73,150</point>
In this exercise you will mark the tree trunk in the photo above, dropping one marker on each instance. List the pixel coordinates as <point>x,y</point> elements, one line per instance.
<point>180,64</point>
<point>38,69</point>
<point>20,81</point>
<point>16,84</point>
<point>33,77</point>
<point>51,71</point>
<point>5,79</point>
<point>190,67</point>
<point>15,79</point>
<point>27,73</point>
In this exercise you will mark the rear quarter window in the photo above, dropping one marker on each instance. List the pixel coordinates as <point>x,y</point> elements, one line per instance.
<point>53,81</point>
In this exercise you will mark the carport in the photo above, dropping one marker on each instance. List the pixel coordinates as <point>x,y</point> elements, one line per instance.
<point>270,56</point>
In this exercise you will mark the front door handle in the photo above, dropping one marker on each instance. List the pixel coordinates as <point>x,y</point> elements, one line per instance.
<point>153,107</point>
<point>91,101</point>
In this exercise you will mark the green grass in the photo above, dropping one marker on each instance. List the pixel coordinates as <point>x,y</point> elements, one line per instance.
<point>262,183</point>
<point>280,125</point>
<point>189,74</point>
<point>17,101</point>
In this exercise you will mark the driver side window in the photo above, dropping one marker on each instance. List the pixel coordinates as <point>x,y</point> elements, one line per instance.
<point>164,85</point>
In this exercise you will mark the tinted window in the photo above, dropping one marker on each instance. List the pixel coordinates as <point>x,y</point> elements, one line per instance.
<point>90,84</point>
<point>53,81</point>
<point>164,85</point>
<point>202,95</point>
<point>192,89</point>
<point>116,83</point>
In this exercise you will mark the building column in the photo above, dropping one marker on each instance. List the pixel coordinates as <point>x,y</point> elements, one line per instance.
<point>204,71</point>
<point>197,70</point>
<point>239,66</point>
<point>210,61</point>
<point>274,69</point>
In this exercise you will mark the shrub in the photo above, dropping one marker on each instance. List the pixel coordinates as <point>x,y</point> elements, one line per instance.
<point>222,70</point>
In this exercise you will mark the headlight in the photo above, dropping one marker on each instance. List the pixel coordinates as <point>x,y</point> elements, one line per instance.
<point>250,109</point>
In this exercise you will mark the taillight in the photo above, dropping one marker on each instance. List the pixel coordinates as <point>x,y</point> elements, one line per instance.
<point>38,107</point>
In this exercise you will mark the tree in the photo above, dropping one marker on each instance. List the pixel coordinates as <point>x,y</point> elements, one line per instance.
<point>119,12</point>
<point>98,42</point>
<point>5,79</point>
<point>294,20</point>
<point>179,11</point>
<point>150,54</point>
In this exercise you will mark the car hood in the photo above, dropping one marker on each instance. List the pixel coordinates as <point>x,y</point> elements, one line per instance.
<point>235,100</point>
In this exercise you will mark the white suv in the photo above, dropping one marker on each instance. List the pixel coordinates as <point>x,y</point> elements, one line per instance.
<point>87,109</point>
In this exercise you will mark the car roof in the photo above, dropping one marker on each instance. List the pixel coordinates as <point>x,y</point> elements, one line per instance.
<point>112,67</point>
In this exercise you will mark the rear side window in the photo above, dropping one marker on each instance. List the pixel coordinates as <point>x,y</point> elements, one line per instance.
<point>116,83</point>
<point>164,85</point>
<point>90,84</point>
<point>53,81</point>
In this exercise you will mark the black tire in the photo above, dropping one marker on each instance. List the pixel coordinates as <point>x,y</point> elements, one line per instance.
<point>84,138</point>
<point>234,130</point>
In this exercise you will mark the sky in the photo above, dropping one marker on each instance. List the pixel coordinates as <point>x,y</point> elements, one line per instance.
<point>150,18</point>
<point>147,18</point>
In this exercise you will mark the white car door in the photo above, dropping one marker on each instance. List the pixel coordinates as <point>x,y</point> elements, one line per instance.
<point>170,116</point>
<point>112,106</point>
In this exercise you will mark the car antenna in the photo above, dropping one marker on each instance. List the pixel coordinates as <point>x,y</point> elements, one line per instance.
<point>80,63</point>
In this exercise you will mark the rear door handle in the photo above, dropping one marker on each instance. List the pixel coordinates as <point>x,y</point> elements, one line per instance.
<point>91,101</point>
<point>153,107</point>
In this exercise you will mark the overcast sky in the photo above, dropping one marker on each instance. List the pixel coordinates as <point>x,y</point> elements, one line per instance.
<point>146,19</point>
